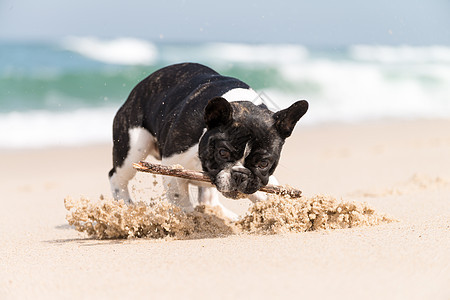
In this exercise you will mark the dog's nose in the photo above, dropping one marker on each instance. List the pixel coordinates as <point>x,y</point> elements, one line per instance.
<point>239,177</point>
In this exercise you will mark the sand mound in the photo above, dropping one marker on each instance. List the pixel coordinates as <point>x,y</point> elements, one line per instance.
<point>280,215</point>
<point>108,218</point>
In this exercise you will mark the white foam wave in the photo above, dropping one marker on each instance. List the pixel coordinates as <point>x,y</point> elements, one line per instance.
<point>122,51</point>
<point>38,129</point>
<point>352,91</point>
<point>342,90</point>
<point>401,54</point>
<point>261,53</point>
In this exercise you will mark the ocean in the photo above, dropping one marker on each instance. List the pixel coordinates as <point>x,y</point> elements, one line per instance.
<point>66,92</point>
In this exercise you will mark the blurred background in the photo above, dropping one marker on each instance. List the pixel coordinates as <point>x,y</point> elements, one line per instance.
<point>67,66</point>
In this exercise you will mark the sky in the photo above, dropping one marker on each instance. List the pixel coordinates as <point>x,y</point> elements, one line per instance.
<point>313,23</point>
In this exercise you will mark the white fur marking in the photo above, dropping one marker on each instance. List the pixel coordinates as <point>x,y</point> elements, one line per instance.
<point>240,94</point>
<point>273,180</point>
<point>188,159</point>
<point>141,144</point>
<point>178,189</point>
<point>247,151</point>
<point>223,180</point>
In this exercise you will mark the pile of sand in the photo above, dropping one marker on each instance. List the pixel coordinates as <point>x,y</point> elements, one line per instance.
<point>108,219</point>
<point>281,215</point>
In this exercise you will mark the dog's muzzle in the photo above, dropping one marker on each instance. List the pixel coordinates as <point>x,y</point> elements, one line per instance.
<point>241,178</point>
<point>237,182</point>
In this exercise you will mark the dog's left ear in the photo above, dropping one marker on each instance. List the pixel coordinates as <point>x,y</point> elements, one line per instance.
<point>286,119</point>
<point>218,112</point>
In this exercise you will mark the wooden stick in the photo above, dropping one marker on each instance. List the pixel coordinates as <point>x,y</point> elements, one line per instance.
<point>144,166</point>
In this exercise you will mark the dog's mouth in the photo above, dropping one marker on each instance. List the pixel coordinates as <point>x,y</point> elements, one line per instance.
<point>234,185</point>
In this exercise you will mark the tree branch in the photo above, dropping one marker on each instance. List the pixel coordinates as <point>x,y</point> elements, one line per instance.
<point>178,171</point>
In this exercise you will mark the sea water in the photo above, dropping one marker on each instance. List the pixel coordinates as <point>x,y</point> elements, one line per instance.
<point>66,92</point>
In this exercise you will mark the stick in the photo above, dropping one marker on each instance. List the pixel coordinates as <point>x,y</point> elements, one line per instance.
<point>144,166</point>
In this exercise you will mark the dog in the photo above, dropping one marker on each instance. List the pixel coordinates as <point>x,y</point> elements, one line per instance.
<point>190,115</point>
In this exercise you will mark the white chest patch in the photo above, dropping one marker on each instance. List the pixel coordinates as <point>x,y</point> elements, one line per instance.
<point>188,159</point>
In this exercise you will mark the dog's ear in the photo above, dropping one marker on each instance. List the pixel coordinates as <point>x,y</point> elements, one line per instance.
<point>218,112</point>
<point>286,119</point>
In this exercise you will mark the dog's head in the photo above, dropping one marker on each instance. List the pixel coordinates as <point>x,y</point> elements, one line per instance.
<point>242,144</point>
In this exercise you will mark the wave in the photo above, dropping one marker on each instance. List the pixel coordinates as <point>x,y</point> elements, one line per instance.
<point>133,51</point>
<point>121,51</point>
<point>49,96</point>
<point>67,89</point>
<point>401,54</point>
<point>39,129</point>
<point>261,53</point>
<point>333,98</point>
<point>355,91</point>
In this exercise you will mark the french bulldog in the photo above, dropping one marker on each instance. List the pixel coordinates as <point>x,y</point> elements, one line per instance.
<point>188,114</point>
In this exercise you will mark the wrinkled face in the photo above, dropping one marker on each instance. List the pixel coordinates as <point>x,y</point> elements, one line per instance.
<point>239,159</point>
<point>241,147</point>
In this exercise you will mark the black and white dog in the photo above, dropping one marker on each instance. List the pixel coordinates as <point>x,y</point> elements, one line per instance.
<point>188,114</point>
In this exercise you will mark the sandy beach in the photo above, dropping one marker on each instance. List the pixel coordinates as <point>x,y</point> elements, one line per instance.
<point>401,168</point>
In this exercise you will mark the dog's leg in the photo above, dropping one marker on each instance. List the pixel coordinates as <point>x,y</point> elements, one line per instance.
<point>177,191</point>
<point>261,196</point>
<point>258,196</point>
<point>210,196</point>
<point>131,148</point>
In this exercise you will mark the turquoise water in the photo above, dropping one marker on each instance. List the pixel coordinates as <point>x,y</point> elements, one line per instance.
<point>67,92</point>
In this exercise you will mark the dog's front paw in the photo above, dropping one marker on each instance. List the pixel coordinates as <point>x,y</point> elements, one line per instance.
<point>229,214</point>
<point>258,196</point>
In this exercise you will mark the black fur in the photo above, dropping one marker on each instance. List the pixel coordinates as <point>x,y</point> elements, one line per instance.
<point>170,103</point>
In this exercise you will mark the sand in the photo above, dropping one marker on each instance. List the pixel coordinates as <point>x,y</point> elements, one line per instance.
<point>110,219</point>
<point>401,169</point>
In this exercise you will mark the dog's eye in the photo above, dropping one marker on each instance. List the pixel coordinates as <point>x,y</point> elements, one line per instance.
<point>224,154</point>
<point>263,164</point>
